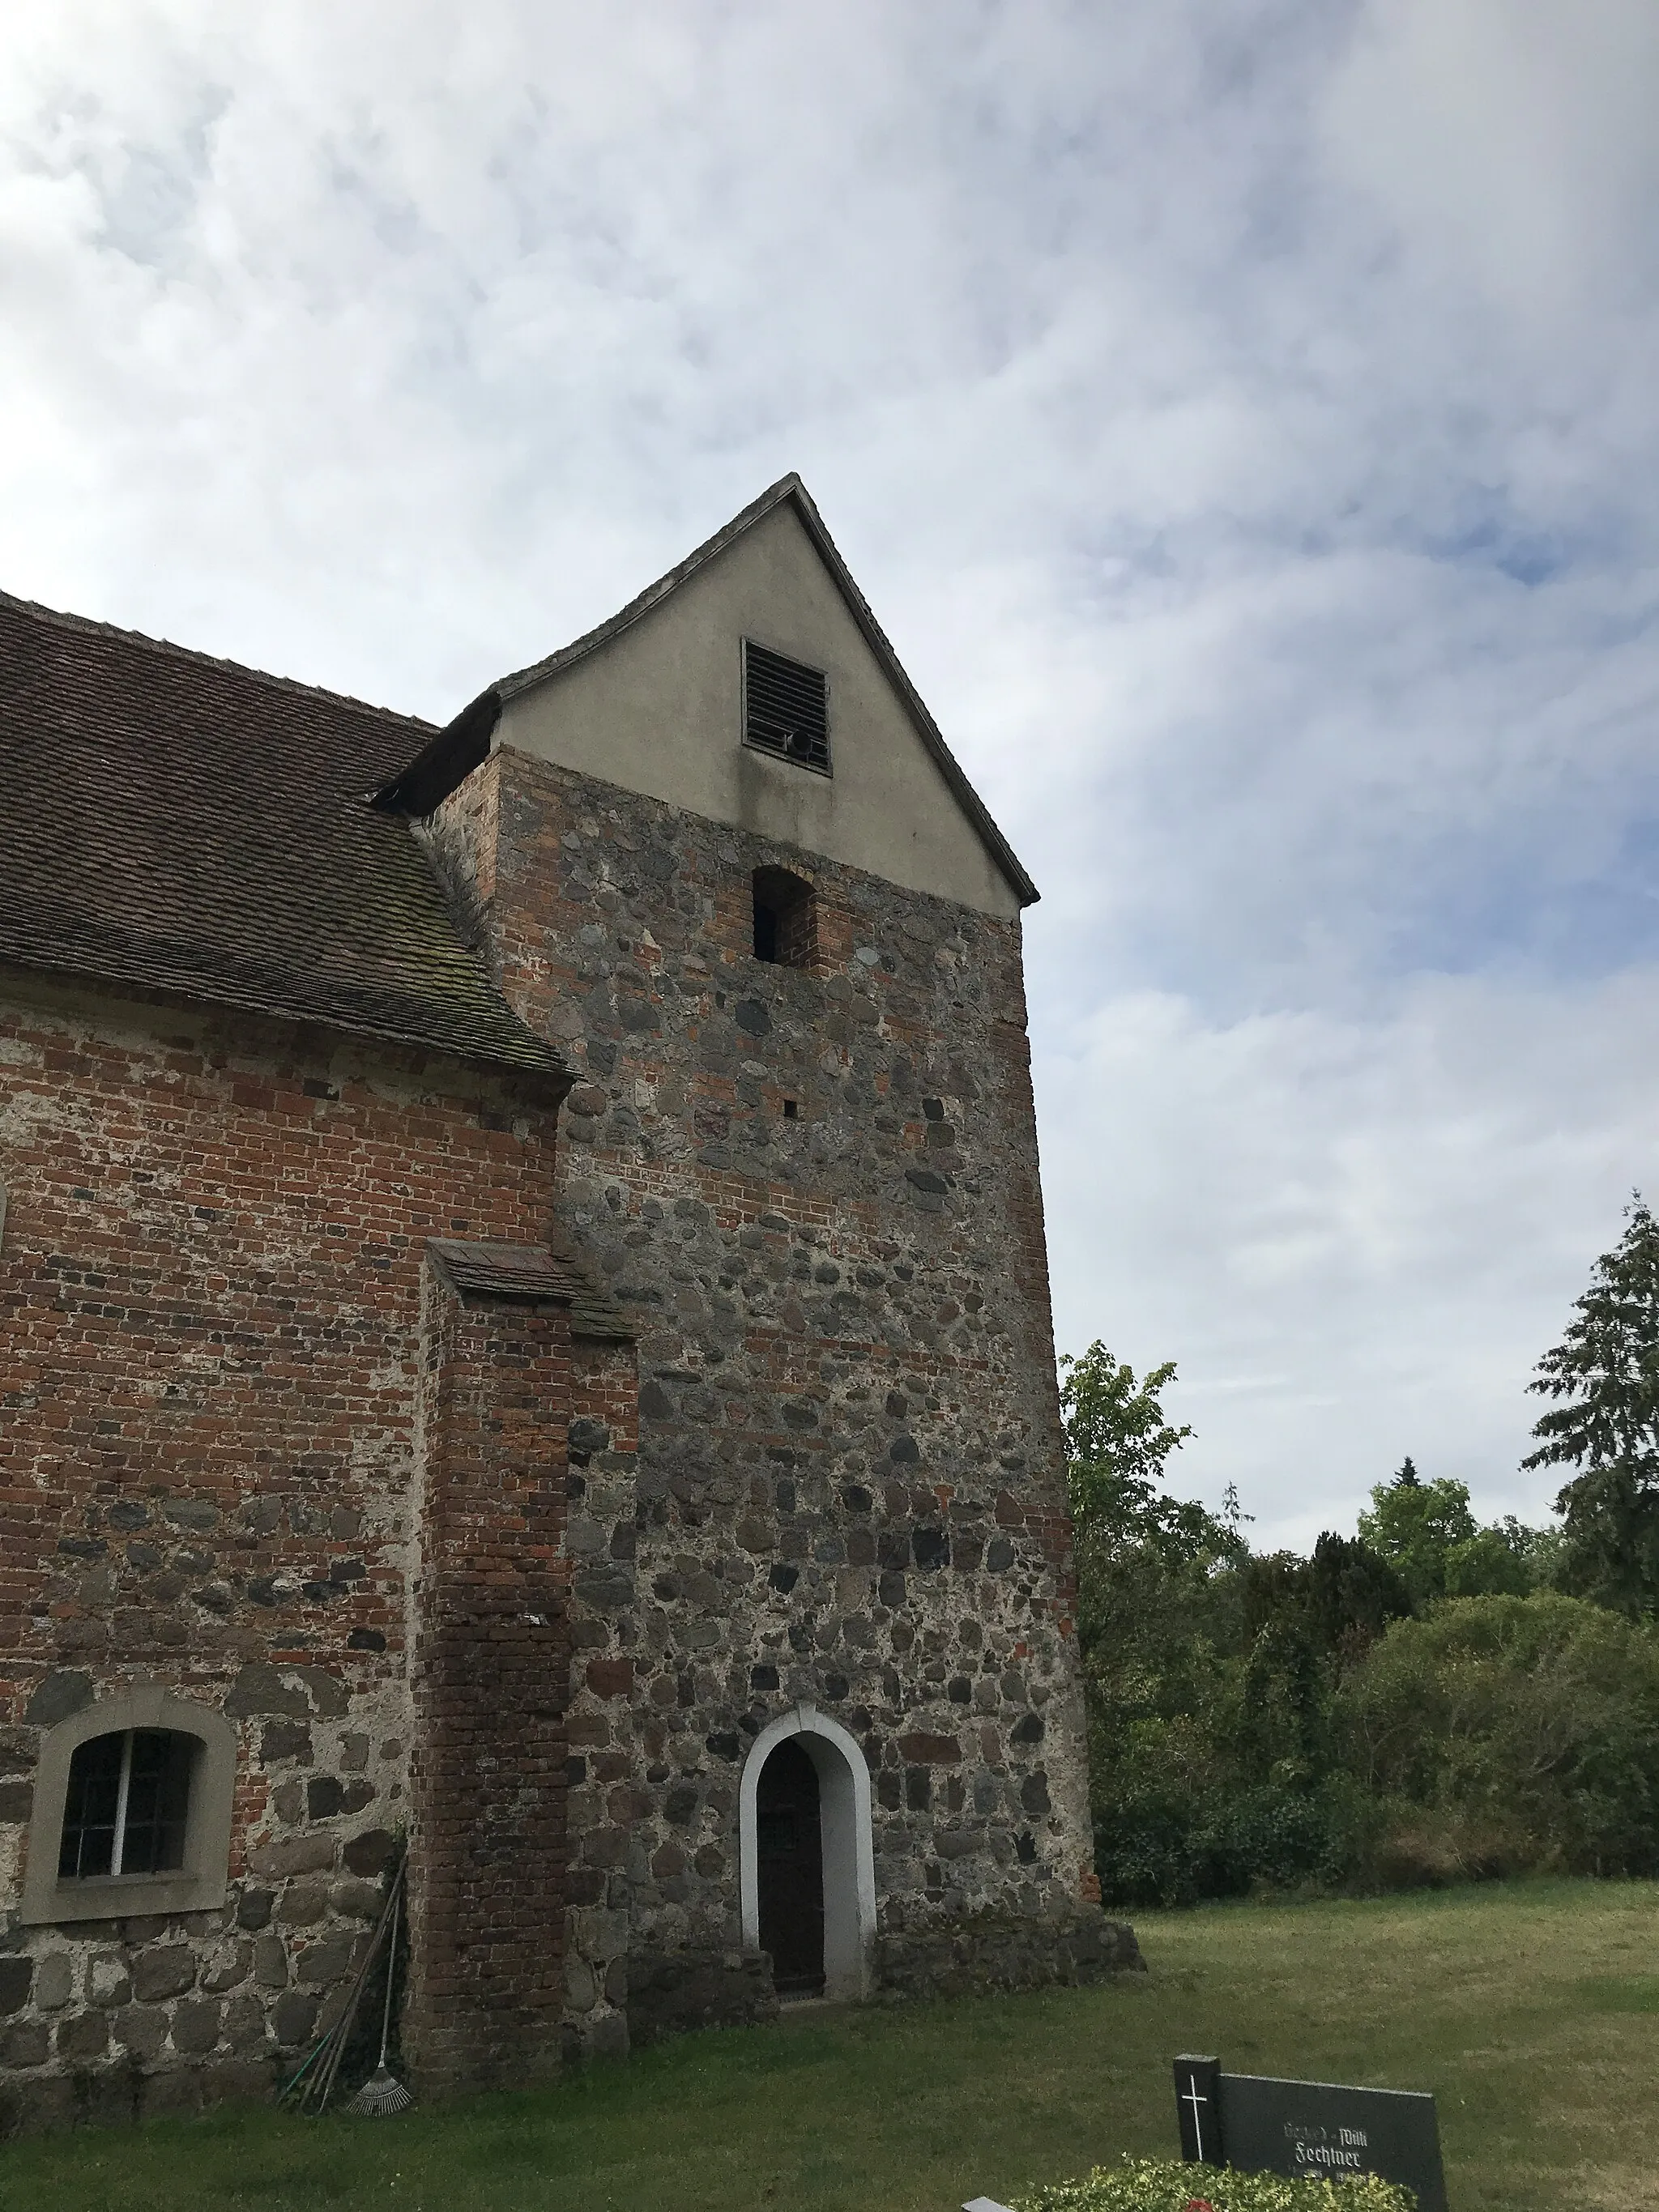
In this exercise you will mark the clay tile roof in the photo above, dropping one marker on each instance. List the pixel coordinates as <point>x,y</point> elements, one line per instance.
<point>527,1273</point>
<point>177,823</point>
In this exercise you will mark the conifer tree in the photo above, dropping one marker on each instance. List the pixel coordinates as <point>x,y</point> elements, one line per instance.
<point>1604,1377</point>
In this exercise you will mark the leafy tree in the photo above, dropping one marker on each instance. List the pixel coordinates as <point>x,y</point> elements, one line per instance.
<point>1414,1525</point>
<point>1343,1597</point>
<point>1505,1560</point>
<point>1117,1440</point>
<point>1604,1378</point>
<point>1354,1593</point>
<point>1426,1531</point>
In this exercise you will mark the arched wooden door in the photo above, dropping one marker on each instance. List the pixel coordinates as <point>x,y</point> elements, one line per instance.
<point>789,1867</point>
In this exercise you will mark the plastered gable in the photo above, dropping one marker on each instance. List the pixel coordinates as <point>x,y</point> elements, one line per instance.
<point>657,711</point>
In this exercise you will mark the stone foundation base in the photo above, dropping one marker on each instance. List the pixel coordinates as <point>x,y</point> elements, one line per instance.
<point>1004,1951</point>
<point>116,2096</point>
<point>669,1991</point>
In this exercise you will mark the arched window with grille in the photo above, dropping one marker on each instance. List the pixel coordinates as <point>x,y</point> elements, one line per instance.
<point>127,1808</point>
<point>132,1810</point>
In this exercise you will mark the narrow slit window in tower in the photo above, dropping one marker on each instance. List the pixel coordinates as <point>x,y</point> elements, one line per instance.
<point>785,926</point>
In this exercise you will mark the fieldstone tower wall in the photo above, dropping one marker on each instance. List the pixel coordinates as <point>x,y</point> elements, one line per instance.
<point>815,1190</point>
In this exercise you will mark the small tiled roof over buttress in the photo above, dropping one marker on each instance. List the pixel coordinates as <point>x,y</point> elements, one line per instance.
<point>177,823</point>
<point>529,1274</point>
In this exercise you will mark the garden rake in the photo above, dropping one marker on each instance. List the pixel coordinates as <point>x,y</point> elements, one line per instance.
<point>383,2094</point>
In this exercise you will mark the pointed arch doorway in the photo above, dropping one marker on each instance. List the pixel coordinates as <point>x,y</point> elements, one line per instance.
<point>806,1862</point>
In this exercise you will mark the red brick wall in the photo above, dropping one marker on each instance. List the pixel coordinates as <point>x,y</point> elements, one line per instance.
<point>491,1675</point>
<point>210,1296</point>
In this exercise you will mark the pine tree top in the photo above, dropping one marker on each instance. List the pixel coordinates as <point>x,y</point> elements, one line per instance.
<point>1605,1371</point>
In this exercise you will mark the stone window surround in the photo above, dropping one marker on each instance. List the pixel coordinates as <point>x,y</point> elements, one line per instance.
<point>849,1860</point>
<point>201,1882</point>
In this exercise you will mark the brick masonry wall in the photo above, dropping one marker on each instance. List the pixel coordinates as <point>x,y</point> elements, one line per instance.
<point>849,1482</point>
<point>490,1683</point>
<point>210,1291</point>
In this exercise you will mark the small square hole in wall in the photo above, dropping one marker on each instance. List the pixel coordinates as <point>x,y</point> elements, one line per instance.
<point>791,1109</point>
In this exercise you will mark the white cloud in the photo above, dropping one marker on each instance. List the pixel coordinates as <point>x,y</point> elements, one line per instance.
<point>1355,1238</point>
<point>1240,411</point>
<point>1515,146</point>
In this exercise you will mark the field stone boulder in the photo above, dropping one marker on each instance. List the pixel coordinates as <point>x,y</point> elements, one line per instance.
<point>265,1689</point>
<point>245,2026</point>
<point>164,1970</point>
<point>303,1903</point>
<point>356,1899</point>
<point>242,2080</point>
<point>108,1982</point>
<point>286,1854</point>
<point>141,2030</point>
<point>82,2035</point>
<point>54,1981</point>
<point>174,2093</point>
<point>62,1694</point>
<point>271,1963</point>
<point>371,1853</point>
<point>327,1961</point>
<point>285,1739</point>
<point>229,1966</point>
<point>293,2016</point>
<point>25,2043</point>
<point>198,2024</point>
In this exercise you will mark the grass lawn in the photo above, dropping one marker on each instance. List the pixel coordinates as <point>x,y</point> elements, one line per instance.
<point>1532,2011</point>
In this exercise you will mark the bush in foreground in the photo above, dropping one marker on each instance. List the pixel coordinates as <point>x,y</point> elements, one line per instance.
<point>1146,2185</point>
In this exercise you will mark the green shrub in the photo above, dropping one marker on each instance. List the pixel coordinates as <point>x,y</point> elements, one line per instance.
<point>1157,1844</point>
<point>1502,1735</point>
<point>1143,2185</point>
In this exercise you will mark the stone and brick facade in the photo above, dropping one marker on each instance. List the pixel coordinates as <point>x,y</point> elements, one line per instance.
<point>502,1352</point>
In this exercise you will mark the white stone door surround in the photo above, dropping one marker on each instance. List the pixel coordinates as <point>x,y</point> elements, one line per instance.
<point>849,1860</point>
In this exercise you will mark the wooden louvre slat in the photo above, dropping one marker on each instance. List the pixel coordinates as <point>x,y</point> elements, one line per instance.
<point>786,707</point>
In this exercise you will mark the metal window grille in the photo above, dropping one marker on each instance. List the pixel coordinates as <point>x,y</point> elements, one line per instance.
<point>128,1804</point>
<point>786,707</point>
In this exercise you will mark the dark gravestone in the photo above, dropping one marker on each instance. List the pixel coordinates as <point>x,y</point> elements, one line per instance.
<point>1301,2128</point>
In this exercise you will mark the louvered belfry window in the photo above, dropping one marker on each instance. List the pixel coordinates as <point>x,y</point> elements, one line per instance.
<point>786,707</point>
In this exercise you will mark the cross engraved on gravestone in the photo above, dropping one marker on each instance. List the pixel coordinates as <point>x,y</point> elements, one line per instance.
<point>1196,2108</point>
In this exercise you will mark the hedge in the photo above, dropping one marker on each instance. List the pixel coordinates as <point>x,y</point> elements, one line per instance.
<point>1146,2185</point>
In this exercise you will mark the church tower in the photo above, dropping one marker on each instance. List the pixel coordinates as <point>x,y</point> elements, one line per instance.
<point>823,1701</point>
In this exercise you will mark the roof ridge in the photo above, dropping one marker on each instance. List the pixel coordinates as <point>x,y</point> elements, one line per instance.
<point>85,625</point>
<point>462,743</point>
<point>522,680</point>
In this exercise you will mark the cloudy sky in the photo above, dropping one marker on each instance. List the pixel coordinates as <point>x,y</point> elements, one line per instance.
<point>1242,415</point>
